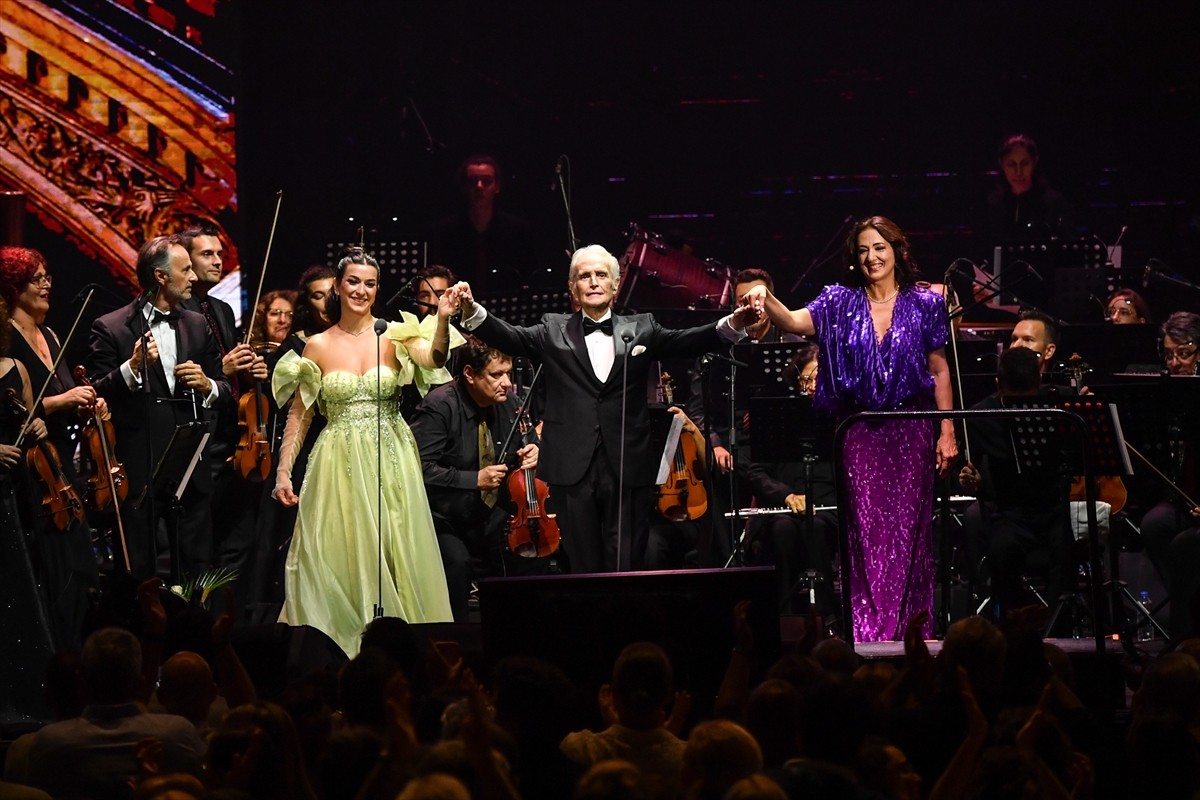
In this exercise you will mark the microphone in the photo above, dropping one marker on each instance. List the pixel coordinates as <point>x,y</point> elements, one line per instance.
<point>380,326</point>
<point>626,337</point>
<point>558,165</point>
<point>1146,273</point>
<point>1103,308</point>
<point>1029,268</point>
<point>89,287</point>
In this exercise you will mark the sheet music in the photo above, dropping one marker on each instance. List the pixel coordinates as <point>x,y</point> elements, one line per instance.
<point>668,455</point>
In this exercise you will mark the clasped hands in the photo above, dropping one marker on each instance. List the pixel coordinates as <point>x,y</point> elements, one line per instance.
<point>243,359</point>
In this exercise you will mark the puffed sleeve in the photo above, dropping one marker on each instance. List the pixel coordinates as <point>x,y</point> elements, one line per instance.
<point>412,340</point>
<point>295,372</point>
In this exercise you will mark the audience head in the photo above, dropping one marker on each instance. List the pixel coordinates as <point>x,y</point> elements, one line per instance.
<point>111,666</point>
<point>719,753</point>
<point>614,779</point>
<point>885,769</point>
<point>363,684</point>
<point>642,685</point>
<point>279,770</point>
<point>773,719</point>
<point>434,787</point>
<point>978,646</point>
<point>836,656</point>
<point>186,686</point>
<point>756,787</point>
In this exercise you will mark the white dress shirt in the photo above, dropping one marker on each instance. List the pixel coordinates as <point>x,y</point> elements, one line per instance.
<point>168,355</point>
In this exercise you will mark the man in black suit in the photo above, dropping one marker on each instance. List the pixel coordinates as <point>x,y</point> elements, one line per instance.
<point>596,366</point>
<point>460,427</point>
<point>234,499</point>
<point>183,381</point>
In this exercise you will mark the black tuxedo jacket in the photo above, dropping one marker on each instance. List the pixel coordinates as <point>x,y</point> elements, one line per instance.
<point>225,428</point>
<point>138,419</point>
<point>582,411</point>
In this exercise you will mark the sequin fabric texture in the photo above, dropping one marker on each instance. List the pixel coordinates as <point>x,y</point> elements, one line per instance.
<point>889,466</point>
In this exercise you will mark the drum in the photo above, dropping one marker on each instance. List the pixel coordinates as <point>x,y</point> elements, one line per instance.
<point>655,275</point>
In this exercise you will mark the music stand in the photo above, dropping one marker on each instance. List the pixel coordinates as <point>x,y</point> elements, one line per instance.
<point>783,427</point>
<point>1043,444</point>
<point>764,377</point>
<point>170,480</point>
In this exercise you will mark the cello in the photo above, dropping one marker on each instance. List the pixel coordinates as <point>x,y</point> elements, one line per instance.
<point>682,495</point>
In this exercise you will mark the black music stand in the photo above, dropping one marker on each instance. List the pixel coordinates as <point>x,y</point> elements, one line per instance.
<point>1041,444</point>
<point>790,428</point>
<point>764,377</point>
<point>170,480</point>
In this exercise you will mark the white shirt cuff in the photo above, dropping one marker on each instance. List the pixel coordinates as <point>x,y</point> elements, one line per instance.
<point>134,382</point>
<point>726,330</point>
<point>475,320</point>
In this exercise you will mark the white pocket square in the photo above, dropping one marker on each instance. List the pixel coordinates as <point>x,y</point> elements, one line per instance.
<point>638,349</point>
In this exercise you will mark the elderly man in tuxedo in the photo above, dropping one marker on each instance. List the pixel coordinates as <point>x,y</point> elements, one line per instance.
<point>182,381</point>
<point>596,366</point>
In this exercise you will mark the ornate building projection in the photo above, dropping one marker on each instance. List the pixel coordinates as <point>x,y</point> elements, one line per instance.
<point>116,121</point>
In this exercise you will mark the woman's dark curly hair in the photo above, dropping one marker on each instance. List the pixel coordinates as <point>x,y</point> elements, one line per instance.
<point>907,272</point>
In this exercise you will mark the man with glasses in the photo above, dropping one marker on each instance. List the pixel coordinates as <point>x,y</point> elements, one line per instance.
<point>1171,530</point>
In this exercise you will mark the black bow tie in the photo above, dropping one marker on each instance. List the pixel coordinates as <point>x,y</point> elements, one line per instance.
<point>590,326</point>
<point>169,317</point>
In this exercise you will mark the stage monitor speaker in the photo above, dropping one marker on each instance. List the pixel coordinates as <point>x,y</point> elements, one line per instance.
<point>581,622</point>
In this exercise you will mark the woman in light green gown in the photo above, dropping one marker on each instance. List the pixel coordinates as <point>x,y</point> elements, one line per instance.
<point>334,572</point>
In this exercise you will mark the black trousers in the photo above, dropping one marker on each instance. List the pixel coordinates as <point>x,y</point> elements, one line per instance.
<point>588,518</point>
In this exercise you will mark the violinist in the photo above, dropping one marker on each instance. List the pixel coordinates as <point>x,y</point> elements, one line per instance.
<point>234,502</point>
<point>184,372</point>
<point>70,570</point>
<point>460,427</point>
<point>273,322</point>
<point>1171,530</point>
<point>23,625</point>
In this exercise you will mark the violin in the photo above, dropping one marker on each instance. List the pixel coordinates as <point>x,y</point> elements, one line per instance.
<point>60,501</point>
<point>532,533</point>
<point>98,460</point>
<point>682,495</point>
<point>252,455</point>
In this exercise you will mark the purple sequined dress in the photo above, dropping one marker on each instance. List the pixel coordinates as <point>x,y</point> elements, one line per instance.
<point>889,466</point>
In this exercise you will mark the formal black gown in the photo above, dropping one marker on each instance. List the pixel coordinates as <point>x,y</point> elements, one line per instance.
<point>24,626</point>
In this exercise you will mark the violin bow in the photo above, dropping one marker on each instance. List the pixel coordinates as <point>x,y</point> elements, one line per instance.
<point>950,300</point>
<point>62,352</point>
<point>520,412</point>
<point>262,274</point>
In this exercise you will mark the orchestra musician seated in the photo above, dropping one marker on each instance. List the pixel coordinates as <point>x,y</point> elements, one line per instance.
<point>1022,511</point>
<point>1171,528</point>
<point>460,427</point>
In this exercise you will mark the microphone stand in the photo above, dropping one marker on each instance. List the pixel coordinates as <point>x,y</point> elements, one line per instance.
<point>149,402</point>
<point>626,337</point>
<point>818,260</point>
<point>380,327</point>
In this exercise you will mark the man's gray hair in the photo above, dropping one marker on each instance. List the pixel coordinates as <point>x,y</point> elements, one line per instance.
<point>597,252</point>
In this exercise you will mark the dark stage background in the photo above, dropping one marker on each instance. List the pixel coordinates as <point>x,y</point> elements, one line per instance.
<point>747,130</point>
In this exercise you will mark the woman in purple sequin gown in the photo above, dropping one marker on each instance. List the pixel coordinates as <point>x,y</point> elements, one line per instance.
<point>882,349</point>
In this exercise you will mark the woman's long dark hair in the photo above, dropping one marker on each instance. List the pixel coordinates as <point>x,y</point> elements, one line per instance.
<point>303,321</point>
<point>333,300</point>
<point>907,272</point>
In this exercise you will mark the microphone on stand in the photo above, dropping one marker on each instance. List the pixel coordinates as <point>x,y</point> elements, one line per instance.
<point>626,337</point>
<point>380,326</point>
<point>558,165</point>
<point>1146,273</point>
